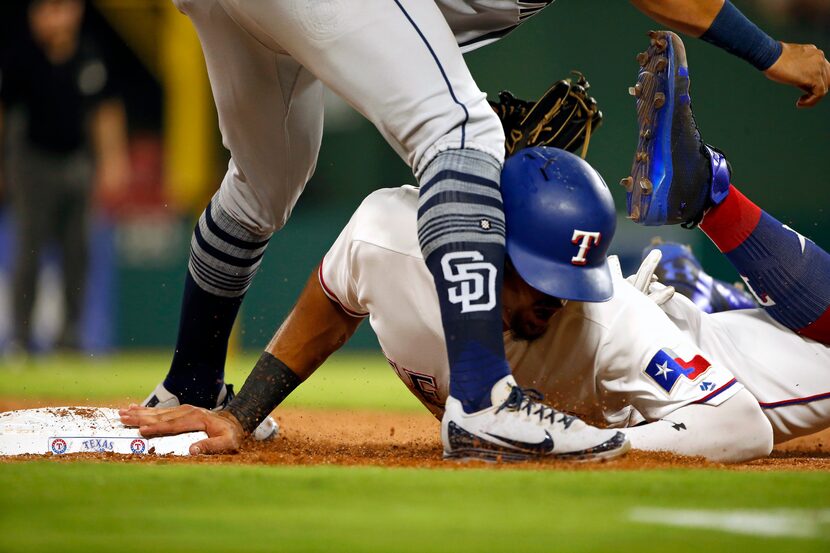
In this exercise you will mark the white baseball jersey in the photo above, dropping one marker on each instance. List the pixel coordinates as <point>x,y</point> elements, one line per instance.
<point>621,362</point>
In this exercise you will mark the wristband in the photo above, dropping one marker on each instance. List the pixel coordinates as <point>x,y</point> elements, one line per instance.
<point>268,384</point>
<point>736,34</point>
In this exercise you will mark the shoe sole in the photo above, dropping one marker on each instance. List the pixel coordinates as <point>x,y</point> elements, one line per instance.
<point>490,456</point>
<point>663,80</point>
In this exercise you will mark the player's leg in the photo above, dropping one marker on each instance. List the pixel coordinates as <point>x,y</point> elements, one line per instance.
<point>72,226</point>
<point>398,63</point>
<point>680,269</point>
<point>262,98</point>
<point>680,179</point>
<point>34,204</point>
<point>787,273</point>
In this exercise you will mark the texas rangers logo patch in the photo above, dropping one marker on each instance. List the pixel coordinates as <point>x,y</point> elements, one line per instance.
<point>666,368</point>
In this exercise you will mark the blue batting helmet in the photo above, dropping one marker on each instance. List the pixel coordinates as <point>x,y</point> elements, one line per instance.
<point>560,219</point>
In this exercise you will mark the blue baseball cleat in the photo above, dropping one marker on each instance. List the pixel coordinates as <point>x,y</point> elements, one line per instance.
<point>675,177</point>
<point>680,268</point>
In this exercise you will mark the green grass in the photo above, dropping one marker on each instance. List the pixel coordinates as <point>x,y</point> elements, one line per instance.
<point>123,507</point>
<point>87,506</point>
<point>346,381</point>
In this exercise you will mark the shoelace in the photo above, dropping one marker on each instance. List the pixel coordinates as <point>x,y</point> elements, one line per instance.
<point>528,399</point>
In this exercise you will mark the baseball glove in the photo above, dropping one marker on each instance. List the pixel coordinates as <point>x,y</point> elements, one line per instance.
<point>564,117</point>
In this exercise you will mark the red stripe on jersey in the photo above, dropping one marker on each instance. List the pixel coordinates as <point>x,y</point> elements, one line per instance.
<point>794,401</point>
<point>731,222</point>
<point>818,330</point>
<point>718,391</point>
<point>333,297</point>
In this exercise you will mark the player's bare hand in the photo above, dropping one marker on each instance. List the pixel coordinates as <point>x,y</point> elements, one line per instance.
<point>803,66</point>
<point>224,431</point>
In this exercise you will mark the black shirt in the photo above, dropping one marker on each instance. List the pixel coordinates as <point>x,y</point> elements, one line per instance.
<point>58,99</point>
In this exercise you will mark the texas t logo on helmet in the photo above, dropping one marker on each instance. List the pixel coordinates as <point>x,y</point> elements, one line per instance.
<point>559,220</point>
<point>585,240</point>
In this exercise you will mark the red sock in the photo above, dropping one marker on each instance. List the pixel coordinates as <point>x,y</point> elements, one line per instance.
<point>731,222</point>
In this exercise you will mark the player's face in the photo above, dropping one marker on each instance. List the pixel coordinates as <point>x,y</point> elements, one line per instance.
<point>56,20</point>
<point>526,311</point>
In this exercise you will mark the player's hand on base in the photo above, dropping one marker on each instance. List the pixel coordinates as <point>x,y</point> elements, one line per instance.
<point>224,431</point>
<point>803,66</point>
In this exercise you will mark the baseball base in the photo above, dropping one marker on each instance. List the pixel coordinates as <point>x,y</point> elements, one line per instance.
<point>61,430</point>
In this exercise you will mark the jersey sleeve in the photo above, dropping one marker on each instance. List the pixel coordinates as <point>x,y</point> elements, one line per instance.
<point>649,365</point>
<point>339,271</point>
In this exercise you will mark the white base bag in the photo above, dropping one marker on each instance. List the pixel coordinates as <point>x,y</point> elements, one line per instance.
<point>61,430</point>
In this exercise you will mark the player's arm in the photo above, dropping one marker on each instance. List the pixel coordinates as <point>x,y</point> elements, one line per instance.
<point>722,24</point>
<point>109,140</point>
<point>654,369</point>
<point>732,432</point>
<point>315,328</point>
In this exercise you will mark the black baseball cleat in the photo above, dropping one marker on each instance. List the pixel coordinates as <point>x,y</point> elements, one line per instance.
<point>675,176</point>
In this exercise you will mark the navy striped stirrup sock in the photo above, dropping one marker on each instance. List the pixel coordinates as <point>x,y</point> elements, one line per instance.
<point>224,258</point>
<point>788,273</point>
<point>461,233</point>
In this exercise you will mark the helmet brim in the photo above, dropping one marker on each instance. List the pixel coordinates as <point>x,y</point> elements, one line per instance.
<point>562,280</point>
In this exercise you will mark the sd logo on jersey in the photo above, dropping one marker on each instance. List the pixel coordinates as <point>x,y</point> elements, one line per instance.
<point>666,367</point>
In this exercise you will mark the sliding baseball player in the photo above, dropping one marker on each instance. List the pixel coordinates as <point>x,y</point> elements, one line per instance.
<point>638,357</point>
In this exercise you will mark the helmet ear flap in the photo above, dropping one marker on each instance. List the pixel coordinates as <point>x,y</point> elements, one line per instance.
<point>560,220</point>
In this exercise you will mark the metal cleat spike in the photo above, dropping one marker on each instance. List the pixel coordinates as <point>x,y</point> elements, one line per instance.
<point>661,64</point>
<point>653,34</point>
<point>635,213</point>
<point>628,183</point>
<point>642,156</point>
<point>645,133</point>
<point>645,185</point>
<point>659,100</point>
<point>642,58</point>
<point>632,91</point>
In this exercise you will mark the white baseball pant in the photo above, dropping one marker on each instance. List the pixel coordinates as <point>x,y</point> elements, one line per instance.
<point>395,61</point>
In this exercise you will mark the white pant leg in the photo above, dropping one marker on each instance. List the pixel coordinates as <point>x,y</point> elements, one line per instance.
<point>270,115</point>
<point>395,61</point>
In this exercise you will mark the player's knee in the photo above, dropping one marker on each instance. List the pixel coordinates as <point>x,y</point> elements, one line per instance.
<point>250,213</point>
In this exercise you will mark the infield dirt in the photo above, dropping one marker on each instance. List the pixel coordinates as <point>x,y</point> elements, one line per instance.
<point>332,437</point>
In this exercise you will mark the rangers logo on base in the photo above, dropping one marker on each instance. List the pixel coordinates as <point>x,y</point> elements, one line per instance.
<point>58,446</point>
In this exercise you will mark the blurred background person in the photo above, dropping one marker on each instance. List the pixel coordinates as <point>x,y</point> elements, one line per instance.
<point>70,147</point>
